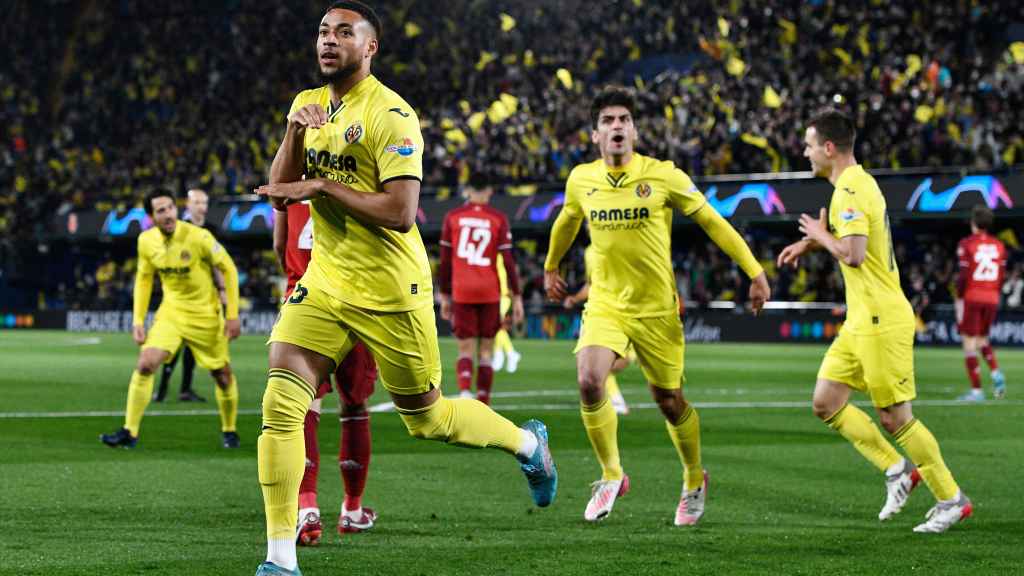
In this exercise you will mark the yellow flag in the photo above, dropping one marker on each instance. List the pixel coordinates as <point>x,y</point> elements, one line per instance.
<point>528,59</point>
<point>521,190</point>
<point>913,65</point>
<point>735,66</point>
<point>1017,51</point>
<point>923,114</point>
<point>511,102</point>
<point>455,135</point>
<point>485,59</point>
<point>565,77</point>
<point>723,27</point>
<point>464,107</point>
<point>758,141</point>
<point>412,30</point>
<point>771,97</point>
<point>497,112</point>
<point>476,120</point>
<point>1009,238</point>
<point>507,22</point>
<point>842,55</point>
<point>788,31</point>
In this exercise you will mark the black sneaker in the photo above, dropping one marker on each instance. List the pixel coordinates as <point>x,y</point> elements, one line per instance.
<point>190,396</point>
<point>231,440</point>
<point>122,438</point>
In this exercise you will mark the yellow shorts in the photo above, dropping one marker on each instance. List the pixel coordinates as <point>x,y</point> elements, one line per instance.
<point>203,334</point>
<point>880,364</point>
<point>404,344</point>
<point>657,342</point>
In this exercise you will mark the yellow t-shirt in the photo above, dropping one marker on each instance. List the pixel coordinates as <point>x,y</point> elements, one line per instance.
<point>373,136</point>
<point>874,300</point>
<point>629,212</point>
<point>185,262</point>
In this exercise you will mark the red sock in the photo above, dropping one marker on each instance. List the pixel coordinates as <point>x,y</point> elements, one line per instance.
<point>990,357</point>
<point>354,458</point>
<point>307,489</point>
<point>484,381</point>
<point>464,370</point>
<point>972,370</point>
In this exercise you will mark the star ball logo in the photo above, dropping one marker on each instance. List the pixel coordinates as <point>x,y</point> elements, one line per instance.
<point>643,190</point>
<point>406,148</point>
<point>353,133</point>
<point>186,256</point>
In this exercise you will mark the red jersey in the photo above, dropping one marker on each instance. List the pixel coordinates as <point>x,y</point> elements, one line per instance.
<point>474,233</point>
<point>982,267</point>
<point>299,248</point>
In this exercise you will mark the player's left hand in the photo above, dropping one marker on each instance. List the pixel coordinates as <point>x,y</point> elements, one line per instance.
<point>232,328</point>
<point>815,229</point>
<point>290,192</point>
<point>760,292</point>
<point>518,312</point>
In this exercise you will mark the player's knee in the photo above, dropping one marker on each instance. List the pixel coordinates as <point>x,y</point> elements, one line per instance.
<point>284,404</point>
<point>591,383</point>
<point>222,377</point>
<point>147,364</point>
<point>353,410</point>
<point>822,408</point>
<point>671,407</point>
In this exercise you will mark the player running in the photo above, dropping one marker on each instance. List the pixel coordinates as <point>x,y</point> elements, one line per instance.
<point>354,148</point>
<point>628,201</point>
<point>874,351</point>
<point>472,237</point>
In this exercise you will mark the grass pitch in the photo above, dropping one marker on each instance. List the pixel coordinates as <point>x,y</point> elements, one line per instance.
<point>787,495</point>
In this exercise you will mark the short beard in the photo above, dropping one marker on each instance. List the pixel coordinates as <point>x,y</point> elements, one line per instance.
<point>339,74</point>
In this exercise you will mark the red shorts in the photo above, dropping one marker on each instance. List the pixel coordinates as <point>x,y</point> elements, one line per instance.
<point>977,319</point>
<point>476,320</point>
<point>354,377</point>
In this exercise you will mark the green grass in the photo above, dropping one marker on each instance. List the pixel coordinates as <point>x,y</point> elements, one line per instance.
<point>788,496</point>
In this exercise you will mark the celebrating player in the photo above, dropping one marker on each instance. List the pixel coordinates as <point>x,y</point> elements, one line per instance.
<point>980,279</point>
<point>628,200</point>
<point>354,379</point>
<point>470,287</point>
<point>190,314</point>
<point>198,204</point>
<point>358,145</point>
<point>874,351</point>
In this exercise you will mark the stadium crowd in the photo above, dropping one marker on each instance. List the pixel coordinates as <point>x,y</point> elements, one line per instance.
<point>195,93</point>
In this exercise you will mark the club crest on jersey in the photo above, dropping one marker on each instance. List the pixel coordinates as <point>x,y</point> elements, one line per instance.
<point>186,255</point>
<point>643,190</point>
<point>353,133</point>
<point>849,215</point>
<point>406,148</point>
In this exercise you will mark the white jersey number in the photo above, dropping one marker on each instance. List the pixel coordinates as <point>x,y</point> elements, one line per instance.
<point>986,257</point>
<point>472,244</point>
<point>306,236</point>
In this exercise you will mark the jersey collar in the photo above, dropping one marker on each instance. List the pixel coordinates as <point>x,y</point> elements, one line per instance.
<point>351,96</point>
<point>618,176</point>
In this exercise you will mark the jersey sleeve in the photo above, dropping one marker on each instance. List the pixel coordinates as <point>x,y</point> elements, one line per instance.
<point>398,143</point>
<point>504,238</point>
<point>683,194</point>
<point>143,289</point>
<point>221,260</point>
<point>297,103</point>
<point>446,231</point>
<point>850,212</point>
<point>566,225</point>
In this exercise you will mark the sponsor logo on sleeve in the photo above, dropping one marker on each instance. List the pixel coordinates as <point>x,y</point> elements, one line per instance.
<point>406,148</point>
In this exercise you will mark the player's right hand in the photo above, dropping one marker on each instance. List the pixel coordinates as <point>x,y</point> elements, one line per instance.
<point>139,334</point>
<point>446,308</point>
<point>760,292</point>
<point>309,116</point>
<point>555,286</point>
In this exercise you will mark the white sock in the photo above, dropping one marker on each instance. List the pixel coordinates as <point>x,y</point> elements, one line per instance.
<point>896,468</point>
<point>953,500</point>
<point>529,445</point>
<point>282,553</point>
<point>354,514</point>
<point>304,511</point>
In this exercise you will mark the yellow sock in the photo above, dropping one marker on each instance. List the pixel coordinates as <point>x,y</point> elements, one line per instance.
<point>503,342</point>
<point>857,427</point>
<point>611,385</point>
<point>923,450</point>
<point>602,426</point>
<point>464,422</point>
<point>281,450</point>
<point>227,404</point>
<point>685,435</point>
<point>140,390</point>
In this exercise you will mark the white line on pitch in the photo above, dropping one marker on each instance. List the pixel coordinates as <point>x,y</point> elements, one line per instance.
<point>388,407</point>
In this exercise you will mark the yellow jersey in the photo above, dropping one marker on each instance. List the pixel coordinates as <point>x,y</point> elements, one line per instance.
<point>874,300</point>
<point>371,137</point>
<point>629,212</point>
<point>184,261</point>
